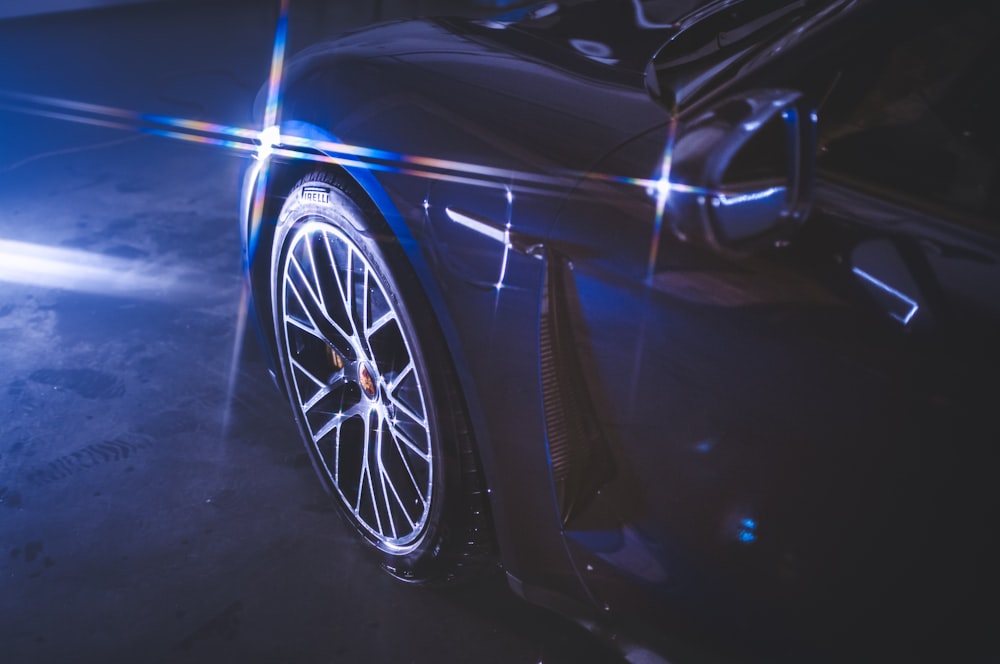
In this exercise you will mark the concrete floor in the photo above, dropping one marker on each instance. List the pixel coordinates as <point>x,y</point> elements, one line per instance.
<point>155,502</point>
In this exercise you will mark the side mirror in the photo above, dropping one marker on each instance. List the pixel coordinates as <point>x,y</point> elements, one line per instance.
<point>742,172</point>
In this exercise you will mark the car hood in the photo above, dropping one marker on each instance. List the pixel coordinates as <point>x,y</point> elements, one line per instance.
<point>619,34</point>
<point>469,91</point>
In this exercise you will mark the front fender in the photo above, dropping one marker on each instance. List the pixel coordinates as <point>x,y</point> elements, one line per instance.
<point>451,138</point>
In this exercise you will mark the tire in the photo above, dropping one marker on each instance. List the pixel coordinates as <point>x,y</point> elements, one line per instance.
<point>388,437</point>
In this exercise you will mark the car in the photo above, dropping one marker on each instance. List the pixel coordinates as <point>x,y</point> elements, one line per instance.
<point>682,313</point>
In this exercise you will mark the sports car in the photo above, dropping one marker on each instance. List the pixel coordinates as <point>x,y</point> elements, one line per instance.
<point>683,313</point>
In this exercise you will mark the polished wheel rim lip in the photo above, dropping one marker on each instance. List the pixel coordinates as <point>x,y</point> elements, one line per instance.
<point>355,384</point>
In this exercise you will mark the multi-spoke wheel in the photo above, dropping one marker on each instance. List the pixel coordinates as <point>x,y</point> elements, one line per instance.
<point>386,436</point>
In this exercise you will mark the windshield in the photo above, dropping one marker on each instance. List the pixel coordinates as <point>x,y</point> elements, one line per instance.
<point>714,43</point>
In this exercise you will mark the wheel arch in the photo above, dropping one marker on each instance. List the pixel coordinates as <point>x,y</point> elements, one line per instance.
<point>278,175</point>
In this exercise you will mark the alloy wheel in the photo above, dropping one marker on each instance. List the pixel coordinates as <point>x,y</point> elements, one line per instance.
<point>356,384</point>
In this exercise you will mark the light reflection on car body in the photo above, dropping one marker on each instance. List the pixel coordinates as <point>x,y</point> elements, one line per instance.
<point>769,427</point>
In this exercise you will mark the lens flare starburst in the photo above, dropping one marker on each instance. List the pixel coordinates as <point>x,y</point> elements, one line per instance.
<point>269,142</point>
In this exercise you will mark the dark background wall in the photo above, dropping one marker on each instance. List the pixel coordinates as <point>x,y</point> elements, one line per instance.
<point>11,8</point>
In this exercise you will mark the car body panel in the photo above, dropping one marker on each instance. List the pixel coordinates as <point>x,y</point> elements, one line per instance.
<point>673,433</point>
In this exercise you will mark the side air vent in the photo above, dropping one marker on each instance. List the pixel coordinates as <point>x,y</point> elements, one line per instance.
<point>581,462</point>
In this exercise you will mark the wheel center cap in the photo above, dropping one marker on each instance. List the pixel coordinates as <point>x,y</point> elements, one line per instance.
<point>367,381</point>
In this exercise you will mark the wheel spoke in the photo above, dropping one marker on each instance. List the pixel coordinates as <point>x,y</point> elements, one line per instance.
<point>338,419</point>
<point>400,436</point>
<point>317,313</point>
<point>319,287</point>
<point>307,283</point>
<point>350,299</point>
<point>323,392</point>
<point>314,328</point>
<point>360,310</point>
<point>405,373</point>
<point>308,329</point>
<point>382,321</point>
<point>396,436</point>
<point>369,481</point>
<point>403,408</point>
<point>342,285</point>
<point>322,388</point>
<point>387,482</point>
<point>319,383</point>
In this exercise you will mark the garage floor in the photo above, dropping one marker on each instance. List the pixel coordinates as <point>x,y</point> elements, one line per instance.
<point>155,503</point>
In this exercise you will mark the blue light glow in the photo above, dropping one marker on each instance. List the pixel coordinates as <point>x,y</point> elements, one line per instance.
<point>480,226</point>
<point>90,272</point>
<point>747,197</point>
<point>506,240</point>
<point>269,138</point>
<point>662,187</point>
<point>277,67</point>
<point>909,302</point>
<point>747,530</point>
<point>271,141</point>
<point>705,446</point>
<point>265,143</point>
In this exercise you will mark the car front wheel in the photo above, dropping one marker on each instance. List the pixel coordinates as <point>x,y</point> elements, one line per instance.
<point>388,437</point>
